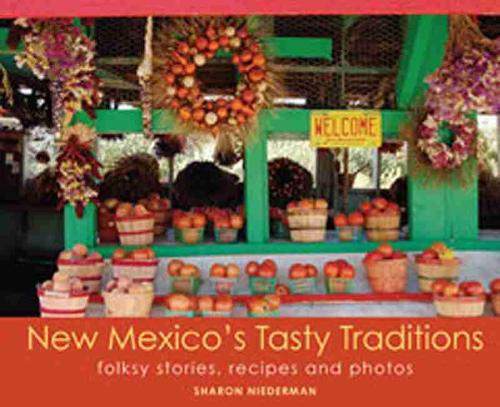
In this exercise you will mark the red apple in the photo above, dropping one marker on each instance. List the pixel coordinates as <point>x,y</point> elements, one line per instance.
<point>273,300</point>
<point>398,255</point>
<point>373,257</point>
<point>473,288</point>
<point>495,286</point>
<point>380,203</point>
<point>356,219</point>
<point>312,271</point>
<point>217,270</point>
<point>429,254</point>
<point>385,249</point>
<point>439,285</point>
<point>232,270</point>
<point>347,271</point>
<point>365,207</point>
<point>271,263</point>
<point>282,289</point>
<point>340,220</point>
<point>331,269</point>
<point>178,302</point>
<point>252,268</point>
<point>297,271</point>
<point>451,290</point>
<point>205,303</point>
<point>266,270</point>
<point>174,267</point>
<point>223,303</point>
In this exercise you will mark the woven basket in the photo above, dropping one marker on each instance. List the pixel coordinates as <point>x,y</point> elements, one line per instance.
<point>308,235</point>
<point>190,235</point>
<point>223,285</point>
<point>387,276</point>
<point>89,271</point>
<point>185,285</point>
<point>313,219</point>
<point>350,233</point>
<point>54,304</point>
<point>303,285</point>
<point>161,217</point>
<point>383,222</point>
<point>495,303</point>
<point>334,285</point>
<point>384,235</point>
<point>137,270</point>
<point>127,305</point>
<point>136,230</point>
<point>262,285</point>
<point>226,235</point>
<point>428,273</point>
<point>459,306</point>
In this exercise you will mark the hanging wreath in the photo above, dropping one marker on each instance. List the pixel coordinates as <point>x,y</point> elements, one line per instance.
<point>190,44</point>
<point>77,169</point>
<point>57,50</point>
<point>450,155</point>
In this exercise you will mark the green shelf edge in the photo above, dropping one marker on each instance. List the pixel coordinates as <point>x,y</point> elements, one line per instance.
<point>270,248</point>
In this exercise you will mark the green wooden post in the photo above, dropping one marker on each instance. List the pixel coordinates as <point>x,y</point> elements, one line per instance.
<point>447,211</point>
<point>256,189</point>
<point>80,230</point>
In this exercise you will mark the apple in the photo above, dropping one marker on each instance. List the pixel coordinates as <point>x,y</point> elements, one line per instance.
<point>236,221</point>
<point>189,270</point>
<point>150,252</point>
<point>124,209</point>
<point>271,263</point>
<point>257,305</point>
<point>232,270</point>
<point>451,290</point>
<point>398,255</point>
<point>174,267</point>
<point>282,289</point>
<point>374,212</point>
<point>385,249</point>
<point>140,210</point>
<point>178,302</point>
<point>365,207</point>
<point>347,271</point>
<point>429,254</point>
<point>223,303</point>
<point>393,207</point>
<point>80,250</point>
<point>439,285</point>
<point>111,204</point>
<point>297,271</point>
<point>321,204</point>
<point>472,288</point>
<point>356,219</point>
<point>331,269</point>
<point>495,286</point>
<point>380,203</point>
<point>205,303</point>
<point>153,206</point>
<point>252,268</point>
<point>340,220</point>
<point>373,257</point>
<point>312,271</point>
<point>140,254</point>
<point>182,222</point>
<point>439,247</point>
<point>199,220</point>
<point>306,204</point>
<point>266,270</point>
<point>273,300</point>
<point>66,255</point>
<point>217,270</point>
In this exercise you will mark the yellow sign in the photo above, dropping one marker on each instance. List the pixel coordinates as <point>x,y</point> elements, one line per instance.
<point>346,128</point>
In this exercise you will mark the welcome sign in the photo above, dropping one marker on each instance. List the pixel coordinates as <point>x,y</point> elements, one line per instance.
<point>346,128</point>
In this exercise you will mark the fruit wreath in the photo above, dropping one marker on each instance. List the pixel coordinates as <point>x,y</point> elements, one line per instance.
<point>443,155</point>
<point>186,45</point>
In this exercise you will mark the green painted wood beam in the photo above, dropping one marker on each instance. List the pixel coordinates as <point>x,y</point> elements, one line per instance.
<point>423,46</point>
<point>270,121</point>
<point>80,230</point>
<point>256,189</point>
<point>299,47</point>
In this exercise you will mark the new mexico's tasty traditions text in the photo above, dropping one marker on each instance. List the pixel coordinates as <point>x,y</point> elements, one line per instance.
<point>261,337</point>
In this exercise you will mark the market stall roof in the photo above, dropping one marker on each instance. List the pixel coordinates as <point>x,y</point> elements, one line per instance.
<point>117,8</point>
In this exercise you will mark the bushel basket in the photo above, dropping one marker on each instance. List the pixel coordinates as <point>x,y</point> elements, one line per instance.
<point>89,271</point>
<point>128,305</point>
<point>136,230</point>
<point>387,276</point>
<point>54,304</point>
<point>137,270</point>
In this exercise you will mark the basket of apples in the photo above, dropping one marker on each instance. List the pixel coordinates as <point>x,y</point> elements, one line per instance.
<point>227,227</point>
<point>140,265</point>
<point>466,299</point>
<point>62,297</point>
<point>180,305</point>
<point>262,277</point>
<point>217,306</point>
<point>159,207</point>
<point>106,222</point>
<point>434,263</point>
<point>125,298</point>
<point>224,278</point>
<point>135,225</point>
<point>387,269</point>
<point>307,220</point>
<point>189,227</point>
<point>495,295</point>
<point>339,276</point>
<point>184,278</point>
<point>88,267</point>
<point>263,307</point>
<point>382,219</point>
<point>303,278</point>
<point>349,227</point>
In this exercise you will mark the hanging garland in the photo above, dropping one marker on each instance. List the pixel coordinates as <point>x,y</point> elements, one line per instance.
<point>189,44</point>
<point>57,50</point>
<point>77,169</point>
<point>467,82</point>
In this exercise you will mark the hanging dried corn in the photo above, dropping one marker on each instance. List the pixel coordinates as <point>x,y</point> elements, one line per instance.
<point>144,73</point>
